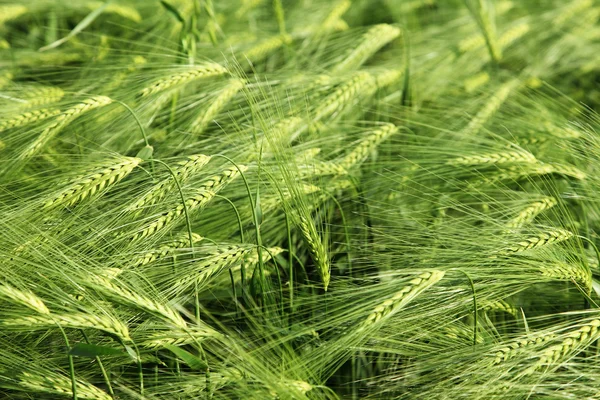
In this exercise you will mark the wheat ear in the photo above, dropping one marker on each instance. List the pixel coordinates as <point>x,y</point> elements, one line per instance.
<point>402,298</point>
<point>571,10</point>
<point>506,157</point>
<point>166,249</point>
<point>180,338</point>
<point>121,10</point>
<point>182,171</point>
<point>204,194</point>
<point>317,248</point>
<point>151,306</point>
<point>63,120</point>
<point>265,48</point>
<point>368,145</point>
<point>73,320</point>
<point>57,384</point>
<point>490,108</point>
<point>228,93</point>
<point>26,298</point>
<point>569,272</point>
<point>475,82</point>
<point>5,78</point>
<point>575,341</point>
<point>507,352</point>
<point>373,40</point>
<point>513,34</point>
<point>530,212</point>
<point>189,75</point>
<point>361,83</point>
<point>27,118</point>
<point>555,235</point>
<point>38,96</point>
<point>87,186</point>
<point>388,77</point>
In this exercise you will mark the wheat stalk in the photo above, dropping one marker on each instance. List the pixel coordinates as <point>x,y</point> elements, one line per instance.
<point>26,298</point>
<point>530,212</point>
<point>63,120</point>
<point>204,194</point>
<point>202,121</point>
<point>367,146</point>
<point>507,157</point>
<point>373,40</point>
<point>27,118</point>
<point>189,75</point>
<point>182,171</point>
<point>57,384</point>
<point>87,186</point>
<point>402,298</point>
<point>73,320</point>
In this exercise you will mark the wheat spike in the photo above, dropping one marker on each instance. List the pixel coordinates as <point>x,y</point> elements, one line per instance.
<point>166,249</point>
<point>204,194</point>
<point>87,186</point>
<point>129,13</point>
<point>153,307</point>
<point>11,11</point>
<point>402,298</point>
<point>205,118</point>
<point>499,305</point>
<point>27,118</point>
<point>576,341</point>
<point>73,320</point>
<point>367,145</point>
<point>490,108</point>
<point>361,83</point>
<point>334,15</point>
<point>530,212</point>
<point>513,34</point>
<point>26,298</point>
<point>555,235</point>
<point>507,352</point>
<point>571,10</point>
<point>507,157</point>
<point>373,40</point>
<point>38,96</point>
<point>316,247</point>
<point>56,384</point>
<point>475,82</point>
<point>189,75</point>
<point>183,171</point>
<point>265,48</point>
<point>388,77</point>
<point>63,120</point>
<point>569,272</point>
<point>180,338</point>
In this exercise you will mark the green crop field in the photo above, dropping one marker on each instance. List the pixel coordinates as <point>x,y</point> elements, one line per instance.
<point>299,199</point>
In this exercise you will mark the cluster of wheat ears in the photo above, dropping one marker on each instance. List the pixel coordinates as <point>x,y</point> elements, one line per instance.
<point>312,199</point>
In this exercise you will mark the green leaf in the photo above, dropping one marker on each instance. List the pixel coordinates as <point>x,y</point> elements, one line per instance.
<point>80,27</point>
<point>145,153</point>
<point>93,351</point>
<point>171,9</point>
<point>191,360</point>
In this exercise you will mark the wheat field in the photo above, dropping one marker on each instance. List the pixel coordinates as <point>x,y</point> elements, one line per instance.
<point>312,199</point>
